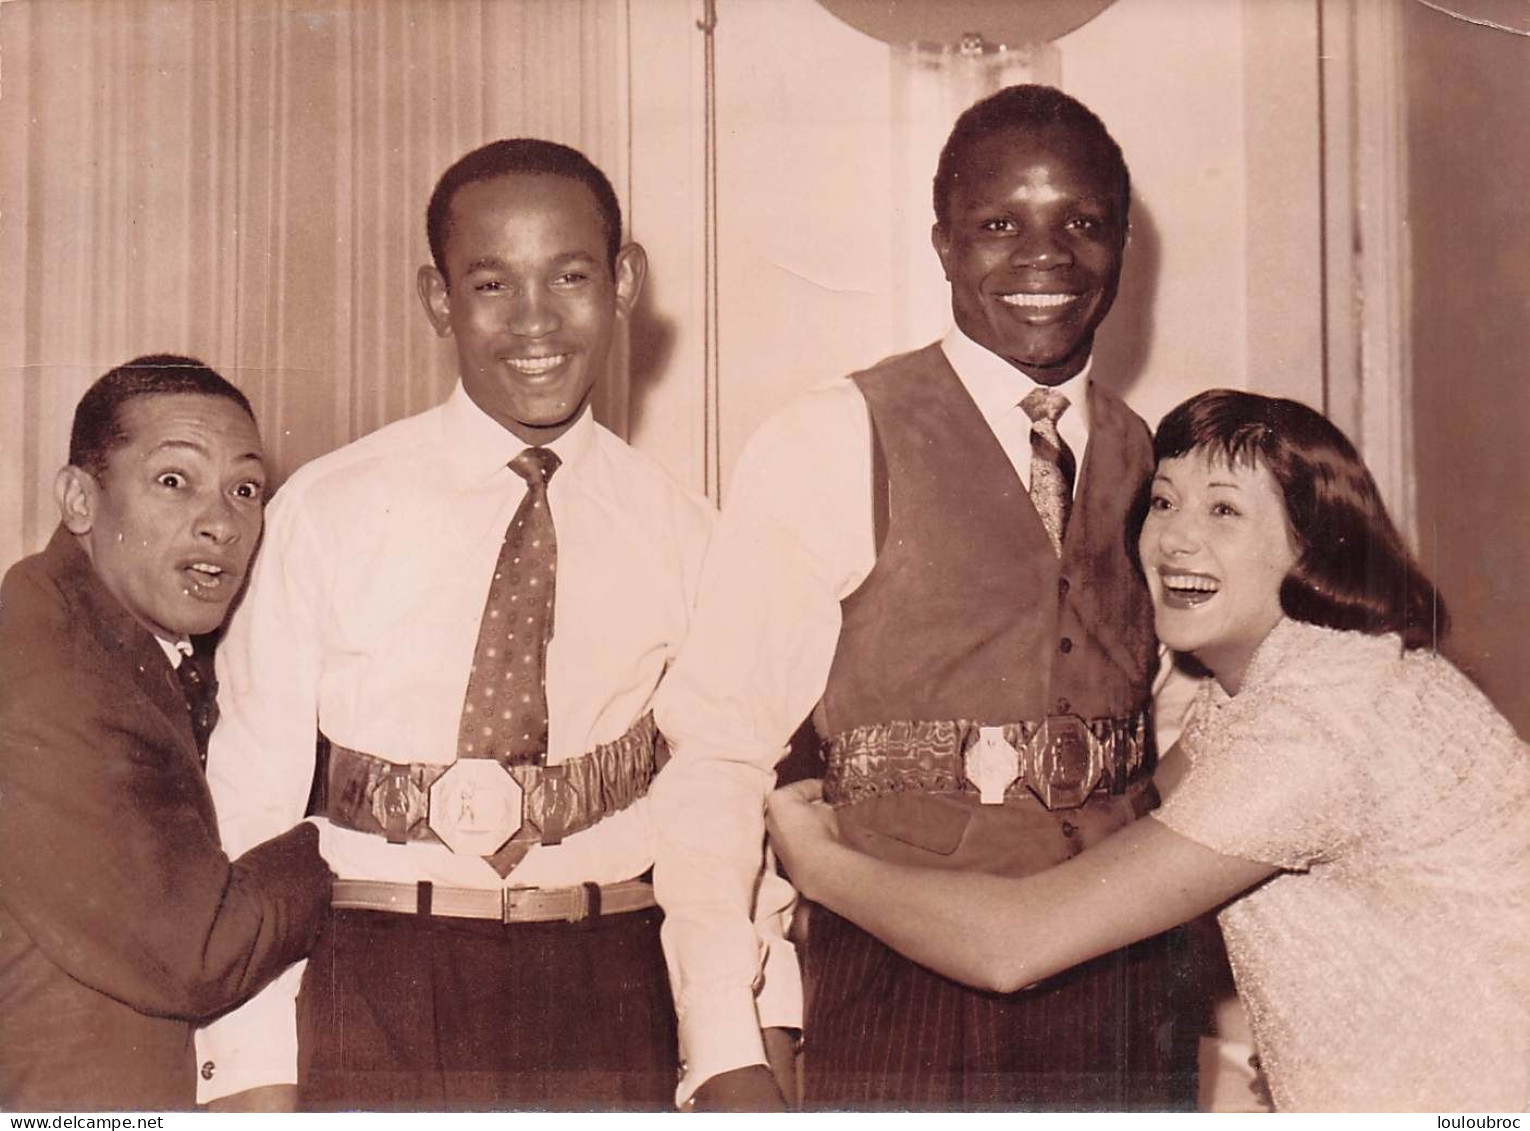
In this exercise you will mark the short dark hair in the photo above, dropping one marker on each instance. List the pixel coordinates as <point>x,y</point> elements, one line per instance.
<point>98,428</point>
<point>519,155</point>
<point>1352,570</point>
<point>1026,105</point>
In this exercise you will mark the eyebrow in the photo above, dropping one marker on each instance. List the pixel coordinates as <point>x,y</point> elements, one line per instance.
<point>200,449</point>
<point>1159,476</point>
<point>489,263</point>
<point>494,263</point>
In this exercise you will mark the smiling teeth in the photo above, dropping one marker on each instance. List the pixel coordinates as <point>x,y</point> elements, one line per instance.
<point>204,567</point>
<point>1036,300</point>
<point>534,365</point>
<point>1196,584</point>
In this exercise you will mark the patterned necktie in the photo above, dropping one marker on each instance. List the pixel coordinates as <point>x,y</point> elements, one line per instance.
<point>505,713</point>
<point>201,688</point>
<point>1052,464</point>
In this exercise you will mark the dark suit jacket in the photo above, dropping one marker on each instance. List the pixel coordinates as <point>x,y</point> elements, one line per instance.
<point>121,920</point>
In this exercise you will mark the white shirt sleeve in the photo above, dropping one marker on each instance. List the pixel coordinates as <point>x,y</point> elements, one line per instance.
<point>260,767</point>
<point>794,539</point>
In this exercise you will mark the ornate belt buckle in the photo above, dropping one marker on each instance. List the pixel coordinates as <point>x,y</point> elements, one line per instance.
<point>992,765</point>
<point>1066,761</point>
<point>398,804</point>
<point>475,807</point>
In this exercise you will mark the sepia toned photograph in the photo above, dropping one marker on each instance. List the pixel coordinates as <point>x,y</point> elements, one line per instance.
<point>739,556</point>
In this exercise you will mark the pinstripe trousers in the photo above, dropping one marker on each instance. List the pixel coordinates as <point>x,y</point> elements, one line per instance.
<point>883,1033</point>
<point>414,1012</point>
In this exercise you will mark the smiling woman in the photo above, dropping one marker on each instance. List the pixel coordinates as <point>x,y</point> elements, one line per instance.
<point>1356,804</point>
<point>1215,546</point>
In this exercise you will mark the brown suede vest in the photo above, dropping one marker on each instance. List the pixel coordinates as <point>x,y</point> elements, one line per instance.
<point>968,614</point>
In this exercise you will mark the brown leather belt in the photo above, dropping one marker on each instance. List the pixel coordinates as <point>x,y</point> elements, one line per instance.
<point>478,806</point>
<point>1061,759</point>
<point>508,905</point>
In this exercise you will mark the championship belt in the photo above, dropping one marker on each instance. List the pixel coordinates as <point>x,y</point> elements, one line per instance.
<point>476,806</point>
<point>1060,760</point>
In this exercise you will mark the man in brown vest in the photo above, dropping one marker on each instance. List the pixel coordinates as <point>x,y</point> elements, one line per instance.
<point>931,559</point>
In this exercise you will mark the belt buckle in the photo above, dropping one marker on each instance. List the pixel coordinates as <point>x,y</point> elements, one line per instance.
<point>475,807</point>
<point>579,903</point>
<point>991,764</point>
<point>508,904</point>
<point>1066,761</point>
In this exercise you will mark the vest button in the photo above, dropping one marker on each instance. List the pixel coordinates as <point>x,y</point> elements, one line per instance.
<point>1065,646</point>
<point>1063,706</point>
<point>1062,586</point>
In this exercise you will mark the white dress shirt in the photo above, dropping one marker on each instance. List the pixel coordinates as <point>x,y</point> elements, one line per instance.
<point>362,618</point>
<point>795,539</point>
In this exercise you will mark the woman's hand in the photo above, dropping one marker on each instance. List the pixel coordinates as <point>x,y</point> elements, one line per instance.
<point>802,828</point>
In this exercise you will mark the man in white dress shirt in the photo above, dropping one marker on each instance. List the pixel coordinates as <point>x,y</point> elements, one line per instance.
<point>929,558</point>
<point>494,941</point>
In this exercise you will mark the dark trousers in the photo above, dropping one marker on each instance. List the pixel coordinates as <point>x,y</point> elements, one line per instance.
<point>1116,1034</point>
<point>413,1012</point>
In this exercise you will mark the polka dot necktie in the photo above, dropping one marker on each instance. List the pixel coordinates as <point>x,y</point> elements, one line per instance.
<point>201,689</point>
<point>1052,464</point>
<point>505,713</point>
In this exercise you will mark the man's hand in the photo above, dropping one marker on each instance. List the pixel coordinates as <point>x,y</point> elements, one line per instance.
<point>267,1098</point>
<point>743,1089</point>
<point>801,826</point>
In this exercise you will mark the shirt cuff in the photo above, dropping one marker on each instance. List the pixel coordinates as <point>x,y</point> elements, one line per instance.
<point>718,1037</point>
<point>253,1046</point>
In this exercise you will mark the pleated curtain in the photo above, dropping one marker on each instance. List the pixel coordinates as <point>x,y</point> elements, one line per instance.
<point>245,181</point>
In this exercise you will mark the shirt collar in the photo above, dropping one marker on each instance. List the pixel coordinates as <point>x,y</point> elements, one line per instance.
<point>997,387</point>
<point>175,650</point>
<point>480,446</point>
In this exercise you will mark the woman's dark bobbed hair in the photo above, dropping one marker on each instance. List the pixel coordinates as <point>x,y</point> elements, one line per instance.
<point>1352,570</point>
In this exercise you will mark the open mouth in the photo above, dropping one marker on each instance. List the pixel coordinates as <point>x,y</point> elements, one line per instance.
<point>537,366</point>
<point>208,582</point>
<point>1187,590</point>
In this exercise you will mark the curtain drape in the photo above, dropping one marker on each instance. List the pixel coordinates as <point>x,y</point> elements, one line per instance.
<point>245,181</point>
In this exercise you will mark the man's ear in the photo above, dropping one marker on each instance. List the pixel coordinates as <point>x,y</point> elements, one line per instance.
<point>941,242</point>
<point>631,269</point>
<point>436,298</point>
<point>75,491</point>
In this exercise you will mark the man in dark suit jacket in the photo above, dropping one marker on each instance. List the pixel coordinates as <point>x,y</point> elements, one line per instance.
<point>121,920</point>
